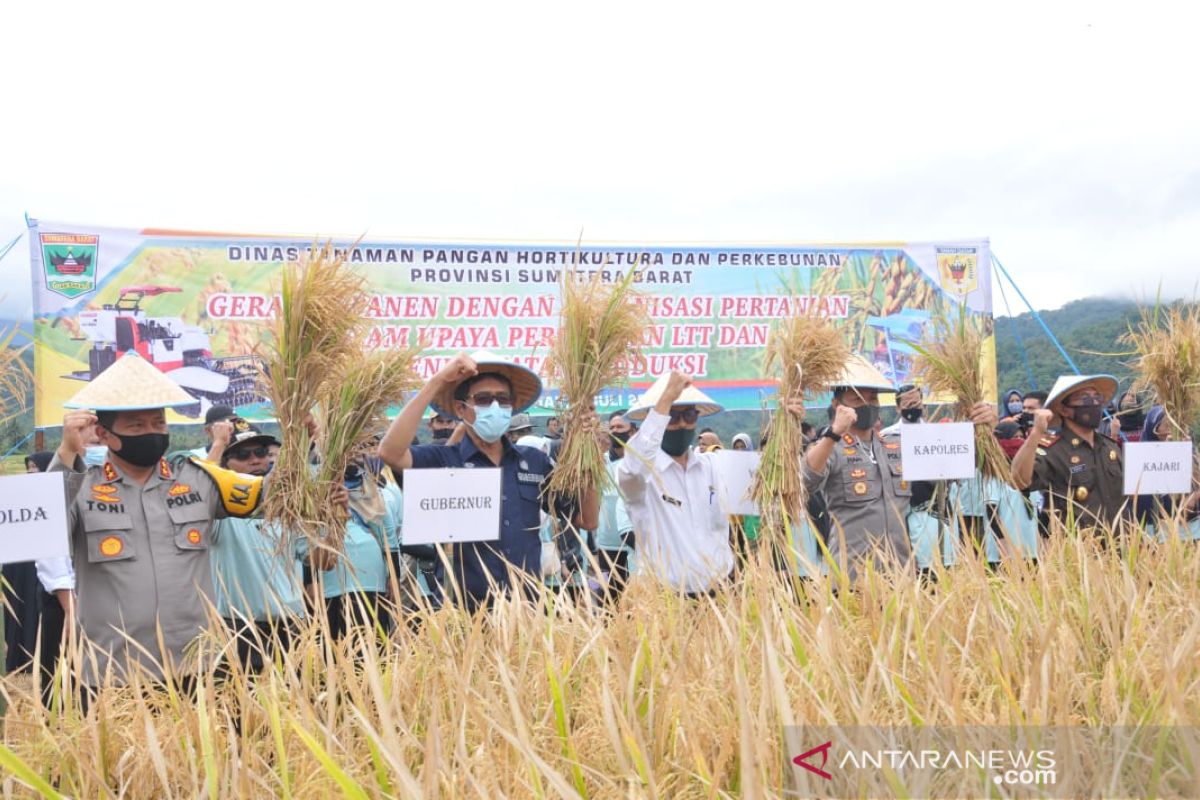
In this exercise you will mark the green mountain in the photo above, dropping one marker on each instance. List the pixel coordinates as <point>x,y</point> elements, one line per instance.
<point>1088,331</point>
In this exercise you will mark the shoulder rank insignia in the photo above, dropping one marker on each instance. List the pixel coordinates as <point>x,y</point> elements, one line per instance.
<point>1048,440</point>
<point>240,494</point>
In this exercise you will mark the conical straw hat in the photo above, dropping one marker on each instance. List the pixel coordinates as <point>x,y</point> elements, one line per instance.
<point>130,383</point>
<point>691,396</point>
<point>526,385</point>
<point>862,374</point>
<point>1066,384</point>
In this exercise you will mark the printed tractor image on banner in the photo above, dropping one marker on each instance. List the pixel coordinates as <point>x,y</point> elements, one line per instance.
<point>196,305</point>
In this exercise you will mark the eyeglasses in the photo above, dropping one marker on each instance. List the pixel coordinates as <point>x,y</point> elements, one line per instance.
<point>1086,400</point>
<point>485,399</point>
<point>688,415</point>
<point>249,452</point>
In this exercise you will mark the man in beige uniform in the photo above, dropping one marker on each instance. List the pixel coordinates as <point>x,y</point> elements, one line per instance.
<point>140,529</point>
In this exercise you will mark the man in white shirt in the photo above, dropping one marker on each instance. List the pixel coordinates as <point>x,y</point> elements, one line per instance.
<point>671,490</point>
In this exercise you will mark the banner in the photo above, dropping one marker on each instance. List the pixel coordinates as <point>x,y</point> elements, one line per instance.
<point>195,305</point>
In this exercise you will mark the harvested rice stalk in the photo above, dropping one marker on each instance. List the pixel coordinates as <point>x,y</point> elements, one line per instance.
<point>351,413</point>
<point>807,353</point>
<point>601,331</point>
<point>15,377</point>
<point>326,393</point>
<point>1166,349</point>
<point>949,363</point>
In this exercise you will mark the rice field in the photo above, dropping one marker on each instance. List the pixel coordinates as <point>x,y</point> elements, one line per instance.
<point>665,698</point>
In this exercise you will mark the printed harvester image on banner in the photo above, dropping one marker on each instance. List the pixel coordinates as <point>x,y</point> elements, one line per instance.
<point>195,305</point>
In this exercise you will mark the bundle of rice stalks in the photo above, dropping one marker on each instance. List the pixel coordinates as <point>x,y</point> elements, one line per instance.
<point>600,333</point>
<point>806,353</point>
<point>1166,350</point>
<point>949,363</point>
<point>317,372</point>
<point>15,377</point>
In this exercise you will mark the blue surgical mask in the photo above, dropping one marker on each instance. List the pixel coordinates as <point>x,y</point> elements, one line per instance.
<point>95,455</point>
<point>492,422</point>
<point>1015,407</point>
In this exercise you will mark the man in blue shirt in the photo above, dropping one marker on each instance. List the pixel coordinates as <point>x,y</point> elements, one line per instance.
<point>484,391</point>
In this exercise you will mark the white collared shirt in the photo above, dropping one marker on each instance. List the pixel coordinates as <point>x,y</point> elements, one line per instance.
<point>682,532</point>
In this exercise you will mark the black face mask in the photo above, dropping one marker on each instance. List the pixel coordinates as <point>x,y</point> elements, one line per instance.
<point>866,417</point>
<point>143,450</point>
<point>441,433</point>
<point>911,414</point>
<point>676,442</point>
<point>1087,416</point>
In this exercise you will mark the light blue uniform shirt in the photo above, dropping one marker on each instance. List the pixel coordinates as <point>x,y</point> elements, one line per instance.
<point>1018,518</point>
<point>251,578</point>
<point>394,497</point>
<point>614,517</point>
<point>364,568</point>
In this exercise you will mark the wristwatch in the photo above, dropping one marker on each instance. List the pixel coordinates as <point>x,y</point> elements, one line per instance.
<point>829,434</point>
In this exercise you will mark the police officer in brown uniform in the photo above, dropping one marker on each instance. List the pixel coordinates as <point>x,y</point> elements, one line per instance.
<point>1080,470</point>
<point>140,529</point>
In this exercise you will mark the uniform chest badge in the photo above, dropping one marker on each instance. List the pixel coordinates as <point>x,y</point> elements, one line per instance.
<point>904,486</point>
<point>110,472</point>
<point>1075,442</point>
<point>1112,455</point>
<point>1075,459</point>
<point>860,488</point>
<point>178,489</point>
<point>1081,494</point>
<point>164,471</point>
<point>891,446</point>
<point>524,464</point>
<point>193,536</point>
<point>858,473</point>
<point>111,546</point>
<point>849,451</point>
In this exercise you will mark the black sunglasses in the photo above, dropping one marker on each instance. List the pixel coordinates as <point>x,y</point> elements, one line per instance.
<point>688,415</point>
<point>485,399</point>
<point>250,452</point>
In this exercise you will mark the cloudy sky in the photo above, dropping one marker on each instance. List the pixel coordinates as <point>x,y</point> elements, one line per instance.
<point>1068,133</point>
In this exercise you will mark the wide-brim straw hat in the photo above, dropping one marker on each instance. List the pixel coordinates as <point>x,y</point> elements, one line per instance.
<point>130,383</point>
<point>1066,384</point>
<point>526,385</point>
<point>862,374</point>
<point>691,396</point>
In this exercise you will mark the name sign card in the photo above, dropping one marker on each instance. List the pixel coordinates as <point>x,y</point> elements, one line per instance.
<point>735,475</point>
<point>452,505</point>
<point>1158,467</point>
<point>33,517</point>
<point>938,451</point>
